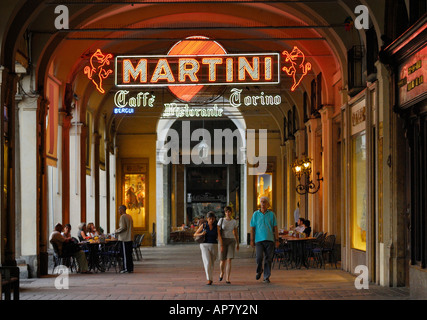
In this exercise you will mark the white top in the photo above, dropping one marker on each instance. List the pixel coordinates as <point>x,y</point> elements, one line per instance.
<point>300,228</point>
<point>228,226</point>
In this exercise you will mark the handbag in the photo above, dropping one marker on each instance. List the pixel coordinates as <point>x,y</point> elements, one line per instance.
<point>201,238</point>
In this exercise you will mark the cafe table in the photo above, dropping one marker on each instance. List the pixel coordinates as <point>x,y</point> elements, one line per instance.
<point>298,248</point>
<point>94,248</point>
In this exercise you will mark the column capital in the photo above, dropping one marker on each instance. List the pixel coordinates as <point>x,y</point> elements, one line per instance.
<point>28,103</point>
<point>289,143</point>
<point>299,133</point>
<point>76,128</point>
<point>312,124</point>
<point>327,111</point>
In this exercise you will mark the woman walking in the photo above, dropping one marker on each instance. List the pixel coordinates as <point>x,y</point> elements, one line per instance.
<point>228,241</point>
<point>209,247</point>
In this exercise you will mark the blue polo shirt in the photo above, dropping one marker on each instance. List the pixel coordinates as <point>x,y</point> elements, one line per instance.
<point>263,224</point>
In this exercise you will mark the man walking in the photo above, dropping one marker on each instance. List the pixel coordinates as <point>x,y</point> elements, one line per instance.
<point>264,237</point>
<point>124,233</point>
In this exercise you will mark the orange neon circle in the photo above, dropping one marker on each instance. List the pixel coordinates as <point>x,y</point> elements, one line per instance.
<point>190,46</point>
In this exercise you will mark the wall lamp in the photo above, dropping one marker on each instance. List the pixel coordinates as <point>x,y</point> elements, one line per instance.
<point>302,167</point>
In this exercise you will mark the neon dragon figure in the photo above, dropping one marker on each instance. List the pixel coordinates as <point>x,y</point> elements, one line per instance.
<point>297,60</point>
<point>96,71</point>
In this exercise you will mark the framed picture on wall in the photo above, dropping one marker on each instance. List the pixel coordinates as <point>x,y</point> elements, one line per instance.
<point>264,187</point>
<point>264,184</point>
<point>134,191</point>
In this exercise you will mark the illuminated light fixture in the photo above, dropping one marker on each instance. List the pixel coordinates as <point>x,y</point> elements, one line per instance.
<point>302,167</point>
<point>298,68</point>
<point>96,71</point>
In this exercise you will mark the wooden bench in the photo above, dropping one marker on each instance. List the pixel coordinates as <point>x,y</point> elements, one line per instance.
<point>9,282</point>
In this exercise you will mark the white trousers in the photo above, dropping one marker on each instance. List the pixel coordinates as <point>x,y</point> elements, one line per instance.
<point>209,255</point>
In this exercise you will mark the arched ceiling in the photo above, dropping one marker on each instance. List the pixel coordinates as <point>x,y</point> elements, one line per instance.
<point>153,27</point>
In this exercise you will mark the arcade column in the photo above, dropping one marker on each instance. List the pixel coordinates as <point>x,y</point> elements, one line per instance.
<point>326,114</point>
<point>162,202</point>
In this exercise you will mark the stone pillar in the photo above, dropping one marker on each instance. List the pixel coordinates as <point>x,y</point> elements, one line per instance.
<point>327,167</point>
<point>65,122</point>
<point>75,174</point>
<point>42,187</point>
<point>28,179</point>
<point>244,214</point>
<point>314,147</point>
<point>162,202</point>
<point>283,220</point>
<point>82,159</point>
<point>291,182</point>
<point>107,184</point>
<point>392,247</point>
<point>300,145</point>
<point>113,193</point>
<point>7,221</point>
<point>95,142</point>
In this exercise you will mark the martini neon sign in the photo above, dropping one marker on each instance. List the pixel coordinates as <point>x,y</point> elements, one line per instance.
<point>196,63</point>
<point>185,70</point>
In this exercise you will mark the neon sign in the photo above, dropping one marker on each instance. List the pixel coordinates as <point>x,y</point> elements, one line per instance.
<point>123,110</point>
<point>122,99</point>
<point>183,110</point>
<point>187,70</point>
<point>196,63</point>
<point>254,100</point>
<point>297,60</point>
<point>96,71</point>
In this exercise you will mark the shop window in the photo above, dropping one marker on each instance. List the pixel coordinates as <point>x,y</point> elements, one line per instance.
<point>358,216</point>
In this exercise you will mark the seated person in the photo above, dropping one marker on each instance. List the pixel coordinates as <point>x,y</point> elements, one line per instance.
<point>300,227</point>
<point>67,231</point>
<point>91,230</point>
<point>307,228</point>
<point>67,247</point>
<point>81,235</point>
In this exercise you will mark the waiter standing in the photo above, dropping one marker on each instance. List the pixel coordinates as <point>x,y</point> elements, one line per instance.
<point>124,233</point>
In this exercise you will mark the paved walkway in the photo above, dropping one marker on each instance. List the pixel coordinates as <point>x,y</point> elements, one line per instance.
<point>175,272</point>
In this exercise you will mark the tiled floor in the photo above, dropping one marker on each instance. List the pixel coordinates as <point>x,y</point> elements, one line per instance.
<point>175,272</point>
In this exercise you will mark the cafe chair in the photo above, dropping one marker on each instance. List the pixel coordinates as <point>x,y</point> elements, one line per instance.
<point>111,256</point>
<point>62,259</point>
<point>314,249</point>
<point>326,247</point>
<point>282,254</point>
<point>136,246</point>
<point>329,249</point>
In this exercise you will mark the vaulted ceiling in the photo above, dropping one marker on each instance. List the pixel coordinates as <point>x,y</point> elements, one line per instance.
<point>153,27</point>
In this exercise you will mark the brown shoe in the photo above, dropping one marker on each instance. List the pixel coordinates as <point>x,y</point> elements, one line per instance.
<point>209,282</point>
